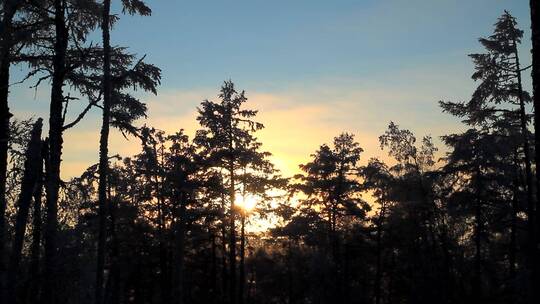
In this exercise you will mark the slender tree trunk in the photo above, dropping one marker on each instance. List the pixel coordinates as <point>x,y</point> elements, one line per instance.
<point>163,238</point>
<point>290,288</point>
<point>448,264</point>
<point>113,281</point>
<point>56,123</point>
<point>178,294</point>
<point>242,277</point>
<point>535,36</point>
<point>378,270</point>
<point>335,249</point>
<point>232,197</point>
<point>104,151</point>
<point>232,240</point>
<point>478,230</point>
<point>531,223</point>
<point>9,9</point>
<point>35,275</point>
<point>214,266</point>
<point>513,242</point>
<point>28,186</point>
<point>391,278</point>
<point>346,273</point>
<point>224,272</point>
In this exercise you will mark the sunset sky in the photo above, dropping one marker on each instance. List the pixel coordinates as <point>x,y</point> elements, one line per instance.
<point>312,68</point>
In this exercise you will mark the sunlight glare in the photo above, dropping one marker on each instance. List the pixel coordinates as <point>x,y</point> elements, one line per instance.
<point>246,203</point>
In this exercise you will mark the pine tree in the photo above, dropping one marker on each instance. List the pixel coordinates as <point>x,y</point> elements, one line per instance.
<point>227,138</point>
<point>496,115</point>
<point>331,187</point>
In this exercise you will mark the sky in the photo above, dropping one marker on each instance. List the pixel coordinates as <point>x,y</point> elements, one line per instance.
<point>313,68</point>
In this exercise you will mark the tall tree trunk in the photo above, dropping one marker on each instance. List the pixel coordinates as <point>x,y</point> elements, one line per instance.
<point>112,292</point>
<point>35,275</point>
<point>232,242</point>
<point>535,36</point>
<point>478,230</point>
<point>163,238</point>
<point>391,278</point>
<point>56,122</point>
<point>232,198</point>
<point>336,259</point>
<point>104,151</point>
<point>378,270</point>
<point>28,185</point>
<point>178,291</point>
<point>9,8</point>
<point>224,272</point>
<point>242,276</point>
<point>290,283</point>
<point>532,218</point>
<point>213,282</point>
<point>512,252</point>
<point>346,277</point>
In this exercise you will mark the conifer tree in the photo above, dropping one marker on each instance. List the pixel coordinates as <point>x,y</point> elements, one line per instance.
<point>331,187</point>
<point>227,138</point>
<point>498,121</point>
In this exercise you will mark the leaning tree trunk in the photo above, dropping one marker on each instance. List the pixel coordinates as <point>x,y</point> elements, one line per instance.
<point>56,123</point>
<point>32,167</point>
<point>9,9</point>
<point>532,218</point>
<point>525,135</point>
<point>535,36</point>
<point>103,151</point>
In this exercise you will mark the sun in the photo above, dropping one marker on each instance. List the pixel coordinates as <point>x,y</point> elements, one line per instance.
<point>246,203</point>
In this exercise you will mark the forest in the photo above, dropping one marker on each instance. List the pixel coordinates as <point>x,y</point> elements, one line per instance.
<point>210,218</point>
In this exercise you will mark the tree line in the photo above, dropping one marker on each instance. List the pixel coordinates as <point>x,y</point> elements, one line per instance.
<point>170,224</point>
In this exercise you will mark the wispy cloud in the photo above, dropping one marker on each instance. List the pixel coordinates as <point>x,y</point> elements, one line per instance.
<point>297,120</point>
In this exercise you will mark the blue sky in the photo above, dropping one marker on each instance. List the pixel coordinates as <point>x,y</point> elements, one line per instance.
<point>313,68</point>
<point>269,44</point>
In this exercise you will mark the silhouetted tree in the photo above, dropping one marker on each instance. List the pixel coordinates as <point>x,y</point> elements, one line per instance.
<point>499,135</point>
<point>11,34</point>
<point>127,109</point>
<point>168,221</point>
<point>535,37</point>
<point>228,141</point>
<point>331,188</point>
<point>29,184</point>
<point>72,21</point>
